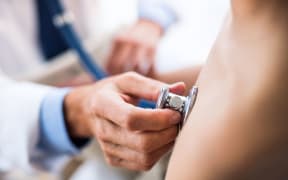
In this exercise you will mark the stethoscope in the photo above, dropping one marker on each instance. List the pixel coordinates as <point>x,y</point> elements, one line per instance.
<point>63,21</point>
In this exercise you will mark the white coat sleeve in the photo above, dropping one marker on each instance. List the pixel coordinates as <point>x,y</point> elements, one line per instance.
<point>19,122</point>
<point>173,6</point>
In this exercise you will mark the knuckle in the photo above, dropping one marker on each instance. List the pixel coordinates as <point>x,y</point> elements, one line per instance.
<point>171,134</point>
<point>129,121</point>
<point>147,160</point>
<point>100,137</point>
<point>131,76</point>
<point>110,160</point>
<point>174,132</point>
<point>101,133</point>
<point>129,125</point>
<point>145,144</point>
<point>105,149</point>
<point>146,168</point>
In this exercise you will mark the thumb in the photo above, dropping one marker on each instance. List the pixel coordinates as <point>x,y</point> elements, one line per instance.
<point>133,84</point>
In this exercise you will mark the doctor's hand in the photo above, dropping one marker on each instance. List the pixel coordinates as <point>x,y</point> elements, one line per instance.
<point>130,137</point>
<point>134,49</point>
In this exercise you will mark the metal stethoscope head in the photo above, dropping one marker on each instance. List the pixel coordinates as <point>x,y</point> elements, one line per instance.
<point>182,104</point>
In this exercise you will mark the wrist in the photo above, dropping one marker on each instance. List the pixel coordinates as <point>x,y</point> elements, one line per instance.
<point>74,115</point>
<point>151,27</point>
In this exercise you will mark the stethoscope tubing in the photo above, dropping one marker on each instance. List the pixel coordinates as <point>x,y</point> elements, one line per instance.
<point>68,32</point>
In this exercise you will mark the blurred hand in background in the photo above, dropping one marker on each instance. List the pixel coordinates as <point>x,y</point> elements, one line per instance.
<point>134,49</point>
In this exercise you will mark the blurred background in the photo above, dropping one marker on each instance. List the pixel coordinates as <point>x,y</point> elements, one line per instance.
<point>190,40</point>
<point>186,43</point>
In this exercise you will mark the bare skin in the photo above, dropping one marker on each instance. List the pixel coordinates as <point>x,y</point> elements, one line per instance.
<point>135,48</point>
<point>188,75</point>
<point>238,127</point>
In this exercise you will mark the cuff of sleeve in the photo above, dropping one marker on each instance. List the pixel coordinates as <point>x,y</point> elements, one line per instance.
<point>54,137</point>
<point>160,13</point>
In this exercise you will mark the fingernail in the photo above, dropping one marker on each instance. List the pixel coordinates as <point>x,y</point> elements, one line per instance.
<point>175,119</point>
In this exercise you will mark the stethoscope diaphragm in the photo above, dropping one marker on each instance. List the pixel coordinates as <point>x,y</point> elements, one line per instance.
<point>182,104</point>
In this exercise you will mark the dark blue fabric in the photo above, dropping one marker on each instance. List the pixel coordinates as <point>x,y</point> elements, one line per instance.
<point>57,39</point>
<point>50,39</point>
<point>67,34</point>
<point>86,60</point>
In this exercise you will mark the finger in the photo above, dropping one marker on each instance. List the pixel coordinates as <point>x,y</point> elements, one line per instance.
<point>123,58</point>
<point>119,57</point>
<point>144,142</point>
<point>142,87</point>
<point>116,162</point>
<point>129,65</point>
<point>113,108</point>
<point>144,66</point>
<point>128,116</point>
<point>129,99</point>
<point>151,57</point>
<point>139,86</point>
<point>147,142</point>
<point>111,57</point>
<point>139,119</point>
<point>125,158</point>
<point>105,130</point>
<point>131,61</point>
<point>178,88</point>
<point>142,62</point>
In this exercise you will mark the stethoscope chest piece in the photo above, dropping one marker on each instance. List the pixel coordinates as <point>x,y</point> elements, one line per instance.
<point>178,103</point>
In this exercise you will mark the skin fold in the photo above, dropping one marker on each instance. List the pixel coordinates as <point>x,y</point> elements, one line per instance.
<point>238,128</point>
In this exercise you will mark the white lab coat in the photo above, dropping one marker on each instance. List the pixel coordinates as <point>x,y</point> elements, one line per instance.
<point>20,101</point>
<point>19,111</point>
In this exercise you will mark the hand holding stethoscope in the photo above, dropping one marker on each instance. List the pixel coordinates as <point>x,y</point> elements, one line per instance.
<point>63,22</point>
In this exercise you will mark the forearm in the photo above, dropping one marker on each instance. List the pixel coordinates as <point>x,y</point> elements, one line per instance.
<point>187,75</point>
<point>238,125</point>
